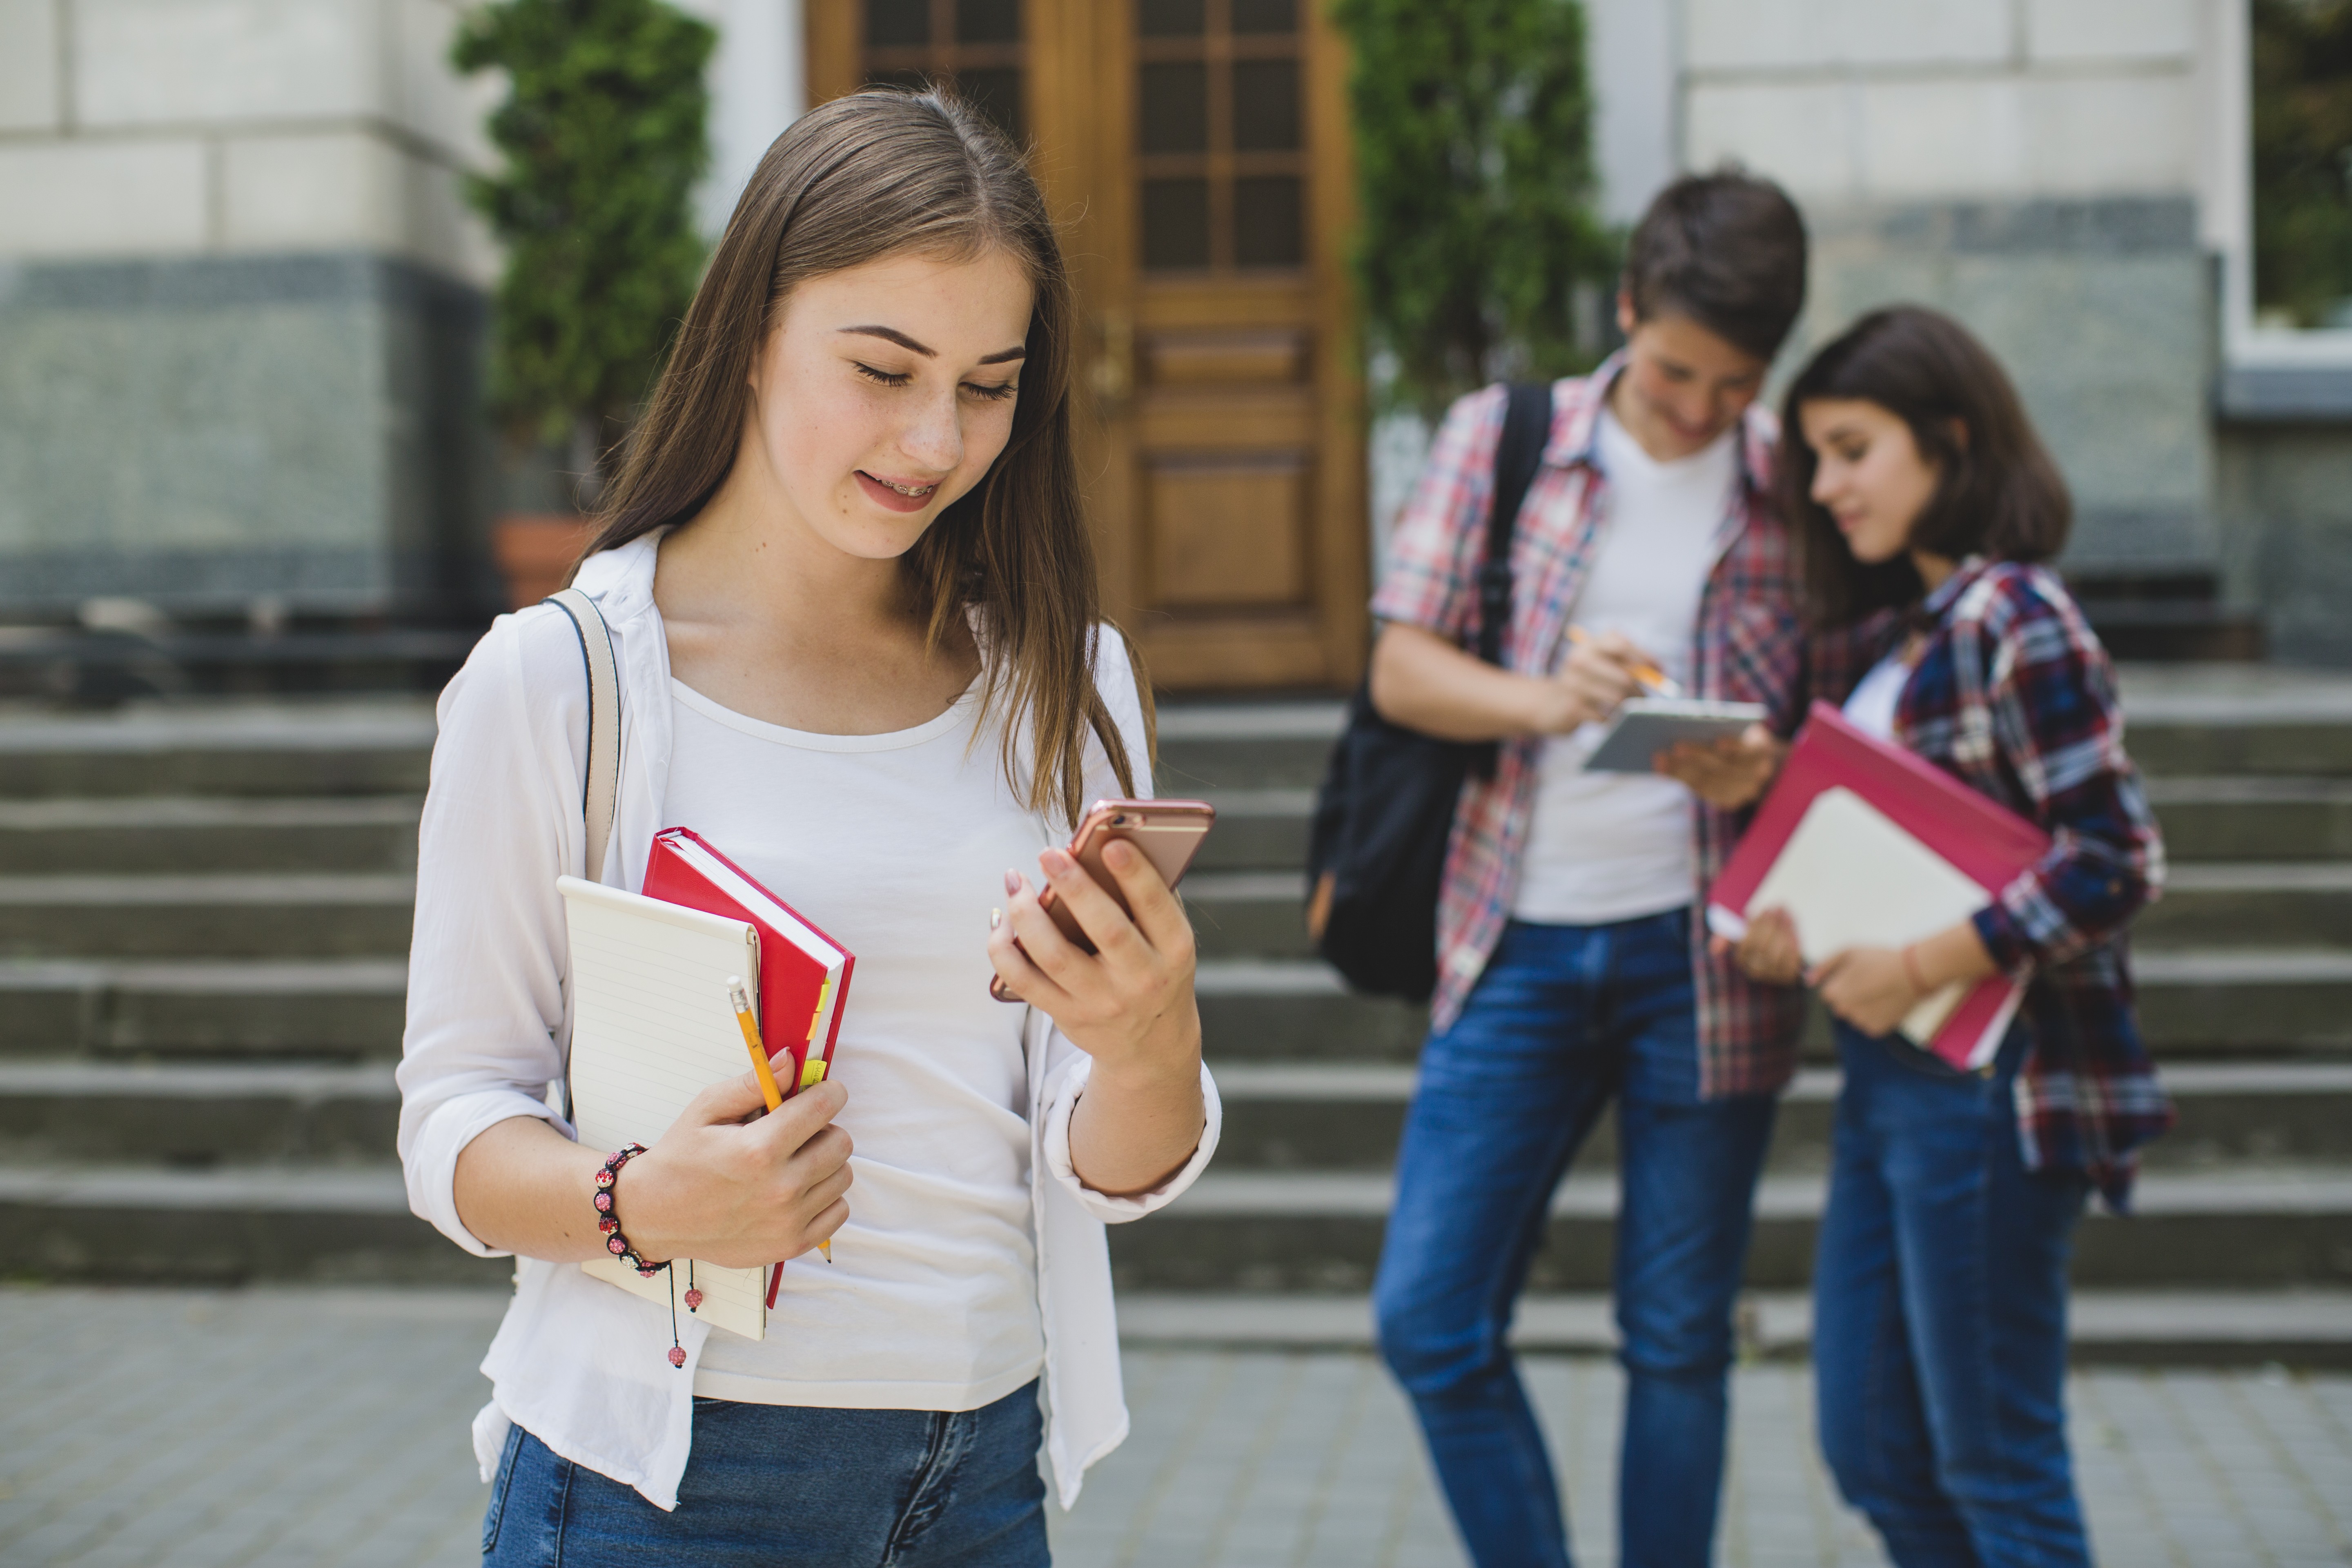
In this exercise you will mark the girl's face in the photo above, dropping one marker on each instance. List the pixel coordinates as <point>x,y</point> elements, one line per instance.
<point>887,391</point>
<point>1868,474</point>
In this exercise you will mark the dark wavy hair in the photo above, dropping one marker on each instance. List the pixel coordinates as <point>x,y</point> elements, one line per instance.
<point>1998,492</point>
<point>886,172</point>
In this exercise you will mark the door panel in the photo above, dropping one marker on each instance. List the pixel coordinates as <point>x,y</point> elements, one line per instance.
<point>1209,541</point>
<point>1195,152</point>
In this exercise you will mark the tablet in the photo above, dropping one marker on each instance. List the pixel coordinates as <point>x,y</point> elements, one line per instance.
<point>1645,726</point>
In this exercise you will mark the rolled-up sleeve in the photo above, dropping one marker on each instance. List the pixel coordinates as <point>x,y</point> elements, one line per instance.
<point>485,962</point>
<point>2060,727</point>
<point>1429,579</point>
<point>1062,1095</point>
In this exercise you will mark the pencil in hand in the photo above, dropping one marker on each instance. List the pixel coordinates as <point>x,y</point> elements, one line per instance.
<point>740,998</point>
<point>1648,674</point>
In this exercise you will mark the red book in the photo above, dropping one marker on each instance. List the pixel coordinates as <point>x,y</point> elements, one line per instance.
<point>1863,822</point>
<point>803,973</point>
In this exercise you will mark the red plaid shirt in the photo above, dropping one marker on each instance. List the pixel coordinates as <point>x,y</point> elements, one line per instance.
<point>1750,646</point>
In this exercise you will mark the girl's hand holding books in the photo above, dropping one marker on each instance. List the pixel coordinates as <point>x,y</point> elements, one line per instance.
<point>1872,988</point>
<point>1768,952</point>
<point>728,1185</point>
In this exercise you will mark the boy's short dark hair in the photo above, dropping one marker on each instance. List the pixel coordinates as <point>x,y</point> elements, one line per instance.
<point>1726,249</point>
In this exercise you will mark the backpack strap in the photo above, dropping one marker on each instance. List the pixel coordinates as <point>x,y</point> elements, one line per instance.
<point>600,791</point>
<point>1527,429</point>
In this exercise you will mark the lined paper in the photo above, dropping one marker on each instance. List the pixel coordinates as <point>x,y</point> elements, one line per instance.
<point>651,1029</point>
<point>1849,877</point>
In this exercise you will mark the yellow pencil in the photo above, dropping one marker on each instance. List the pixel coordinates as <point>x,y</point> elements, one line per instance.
<point>741,1000</point>
<point>1648,674</point>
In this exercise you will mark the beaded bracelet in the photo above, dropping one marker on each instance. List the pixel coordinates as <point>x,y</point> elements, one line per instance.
<point>615,1242</point>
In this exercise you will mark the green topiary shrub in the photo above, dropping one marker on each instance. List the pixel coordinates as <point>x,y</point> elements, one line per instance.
<point>2303,162</point>
<point>1474,140</point>
<point>603,136</point>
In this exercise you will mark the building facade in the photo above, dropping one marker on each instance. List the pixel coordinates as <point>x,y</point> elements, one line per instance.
<point>241,302</point>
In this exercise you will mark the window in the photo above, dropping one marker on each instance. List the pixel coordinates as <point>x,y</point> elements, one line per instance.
<point>1219,139</point>
<point>2301,65</point>
<point>2278,204</point>
<point>971,46</point>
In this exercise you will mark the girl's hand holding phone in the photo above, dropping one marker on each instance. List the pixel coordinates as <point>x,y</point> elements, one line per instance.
<point>1128,1003</point>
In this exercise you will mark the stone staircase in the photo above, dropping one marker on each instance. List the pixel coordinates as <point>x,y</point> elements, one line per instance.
<point>202,912</point>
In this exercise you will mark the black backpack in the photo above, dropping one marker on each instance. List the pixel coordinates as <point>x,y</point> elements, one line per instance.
<point>1386,807</point>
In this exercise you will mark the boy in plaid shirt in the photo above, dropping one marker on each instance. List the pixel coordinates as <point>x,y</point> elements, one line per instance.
<point>1570,968</point>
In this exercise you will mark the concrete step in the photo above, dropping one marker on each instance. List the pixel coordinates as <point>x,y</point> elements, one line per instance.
<point>2196,1002</point>
<point>2196,721</point>
<point>2301,1328</point>
<point>1214,746</point>
<point>194,1116</point>
<point>181,835</point>
<point>2206,1001</point>
<point>2253,818</point>
<point>2246,1229</point>
<point>1257,830</point>
<point>320,1007</point>
<point>1316,1116</point>
<point>2185,720</point>
<point>2250,1228</point>
<point>235,748</point>
<point>2247,903</point>
<point>307,1221</point>
<point>1249,914</point>
<point>1304,1116</point>
<point>214,915</point>
<point>2205,904</point>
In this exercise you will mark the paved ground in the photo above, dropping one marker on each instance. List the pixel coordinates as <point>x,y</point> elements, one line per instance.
<point>316,1427</point>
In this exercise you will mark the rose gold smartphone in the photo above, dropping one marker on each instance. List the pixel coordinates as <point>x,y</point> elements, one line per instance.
<point>1168,832</point>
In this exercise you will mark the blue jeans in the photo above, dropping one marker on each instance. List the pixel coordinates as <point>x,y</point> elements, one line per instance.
<point>771,1484</point>
<point>1939,1317</point>
<point>1564,1017</point>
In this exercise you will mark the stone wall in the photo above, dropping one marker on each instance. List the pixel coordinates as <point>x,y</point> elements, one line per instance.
<point>2283,496</point>
<point>2031,168</point>
<point>241,306</point>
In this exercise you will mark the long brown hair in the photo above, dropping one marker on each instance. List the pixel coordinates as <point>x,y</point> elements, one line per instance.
<point>1997,493</point>
<point>880,173</point>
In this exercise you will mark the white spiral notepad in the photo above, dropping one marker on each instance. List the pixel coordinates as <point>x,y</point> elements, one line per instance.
<point>651,1029</point>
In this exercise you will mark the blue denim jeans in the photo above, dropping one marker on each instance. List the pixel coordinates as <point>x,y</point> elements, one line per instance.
<point>1563,1018</point>
<point>773,1484</point>
<point>1939,1317</point>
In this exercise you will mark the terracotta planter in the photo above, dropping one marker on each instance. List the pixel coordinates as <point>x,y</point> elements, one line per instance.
<point>534,551</point>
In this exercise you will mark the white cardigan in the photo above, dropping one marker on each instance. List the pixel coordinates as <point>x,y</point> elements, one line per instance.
<point>577,1363</point>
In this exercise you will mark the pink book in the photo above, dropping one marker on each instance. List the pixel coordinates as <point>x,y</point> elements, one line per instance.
<point>1864,843</point>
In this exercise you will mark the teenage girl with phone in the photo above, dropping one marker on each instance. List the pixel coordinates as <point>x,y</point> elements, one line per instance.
<point>848,578</point>
<point>1923,499</point>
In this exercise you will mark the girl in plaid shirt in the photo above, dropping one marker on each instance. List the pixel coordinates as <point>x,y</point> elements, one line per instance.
<point>1922,505</point>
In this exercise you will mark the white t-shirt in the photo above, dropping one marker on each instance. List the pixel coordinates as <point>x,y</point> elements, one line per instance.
<point>895,845</point>
<point>1880,693</point>
<point>1613,847</point>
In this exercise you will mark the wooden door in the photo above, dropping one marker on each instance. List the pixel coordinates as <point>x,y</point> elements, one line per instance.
<point>1196,152</point>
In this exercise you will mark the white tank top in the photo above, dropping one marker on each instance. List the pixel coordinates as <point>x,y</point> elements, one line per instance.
<point>897,846</point>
